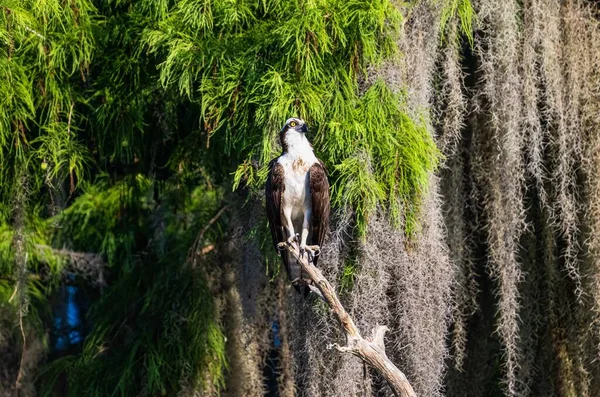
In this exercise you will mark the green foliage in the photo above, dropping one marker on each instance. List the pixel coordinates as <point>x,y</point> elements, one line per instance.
<point>156,325</point>
<point>460,11</point>
<point>25,291</point>
<point>392,162</point>
<point>252,67</point>
<point>131,118</point>
<point>98,221</point>
<point>49,46</point>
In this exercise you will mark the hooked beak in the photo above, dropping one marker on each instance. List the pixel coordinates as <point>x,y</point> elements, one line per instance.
<point>304,128</point>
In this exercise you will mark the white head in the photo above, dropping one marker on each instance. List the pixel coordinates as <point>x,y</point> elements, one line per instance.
<point>293,136</point>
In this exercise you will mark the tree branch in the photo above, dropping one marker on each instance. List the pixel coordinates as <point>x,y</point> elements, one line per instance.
<point>88,265</point>
<point>195,249</point>
<point>371,351</point>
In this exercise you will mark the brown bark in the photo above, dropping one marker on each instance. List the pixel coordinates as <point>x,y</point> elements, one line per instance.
<point>371,351</point>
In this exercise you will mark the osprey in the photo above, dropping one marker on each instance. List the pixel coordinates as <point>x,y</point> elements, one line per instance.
<point>297,193</point>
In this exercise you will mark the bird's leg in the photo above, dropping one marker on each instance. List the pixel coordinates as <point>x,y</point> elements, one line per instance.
<point>304,236</point>
<point>287,216</point>
<point>303,247</point>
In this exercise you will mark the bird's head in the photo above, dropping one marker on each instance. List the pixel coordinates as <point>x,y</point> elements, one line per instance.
<point>292,134</point>
<point>294,124</point>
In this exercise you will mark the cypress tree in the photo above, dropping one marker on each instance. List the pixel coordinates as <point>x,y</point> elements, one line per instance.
<point>460,140</point>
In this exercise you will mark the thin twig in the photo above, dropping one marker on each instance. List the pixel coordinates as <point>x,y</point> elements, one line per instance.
<point>194,252</point>
<point>20,373</point>
<point>69,120</point>
<point>371,351</point>
<point>211,221</point>
<point>14,293</point>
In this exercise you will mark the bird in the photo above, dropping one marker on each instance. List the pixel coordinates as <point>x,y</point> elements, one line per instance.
<point>297,199</point>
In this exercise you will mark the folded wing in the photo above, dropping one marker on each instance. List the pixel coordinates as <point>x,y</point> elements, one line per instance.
<point>319,193</point>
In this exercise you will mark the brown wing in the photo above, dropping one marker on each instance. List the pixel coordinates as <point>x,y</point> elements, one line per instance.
<point>319,193</point>
<point>273,192</point>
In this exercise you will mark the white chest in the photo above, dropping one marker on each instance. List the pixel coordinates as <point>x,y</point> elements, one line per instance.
<point>296,196</point>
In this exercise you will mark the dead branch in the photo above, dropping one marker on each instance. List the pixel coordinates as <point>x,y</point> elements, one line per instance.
<point>371,351</point>
<point>86,264</point>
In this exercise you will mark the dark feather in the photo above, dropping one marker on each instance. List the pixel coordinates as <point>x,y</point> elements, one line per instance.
<point>274,191</point>
<point>319,193</point>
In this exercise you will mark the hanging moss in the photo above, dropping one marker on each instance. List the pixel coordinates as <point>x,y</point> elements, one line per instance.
<point>527,123</point>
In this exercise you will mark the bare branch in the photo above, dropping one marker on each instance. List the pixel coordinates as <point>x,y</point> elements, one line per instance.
<point>86,264</point>
<point>194,250</point>
<point>70,117</point>
<point>371,351</point>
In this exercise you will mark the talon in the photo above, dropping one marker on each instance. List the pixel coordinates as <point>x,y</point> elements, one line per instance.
<point>316,291</point>
<point>316,249</point>
<point>310,251</point>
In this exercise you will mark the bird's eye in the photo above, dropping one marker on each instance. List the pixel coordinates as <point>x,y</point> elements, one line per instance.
<point>292,124</point>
